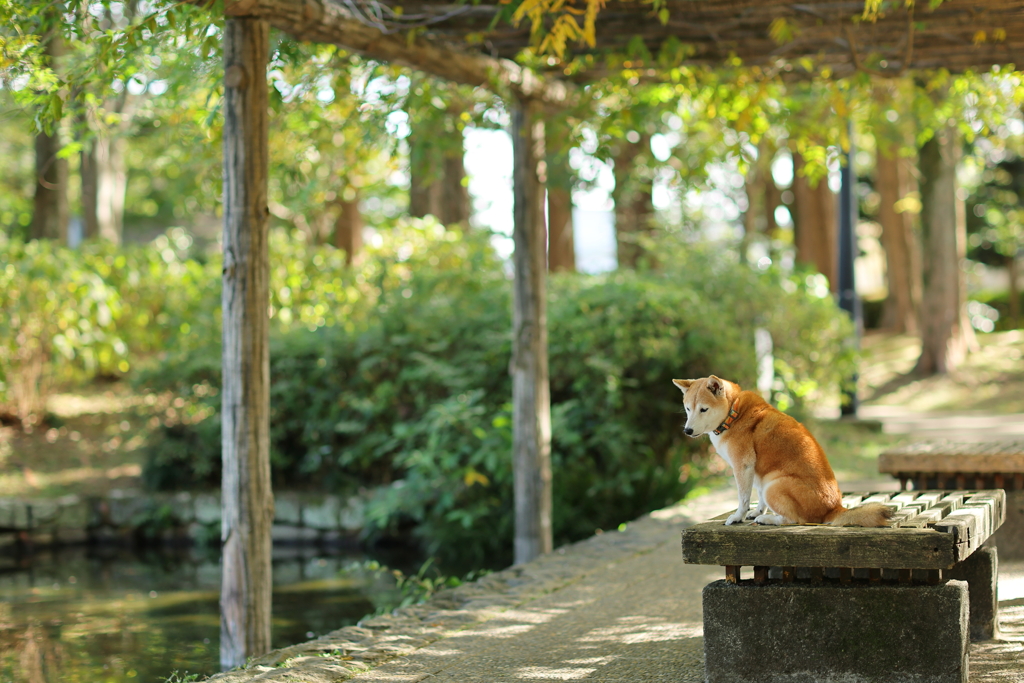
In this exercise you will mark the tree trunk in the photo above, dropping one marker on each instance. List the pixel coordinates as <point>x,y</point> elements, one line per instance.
<point>943,335</point>
<point>437,175</point>
<point>752,217</point>
<point>111,184</point>
<point>560,180</point>
<point>454,200</point>
<point>561,243</point>
<point>901,257</point>
<point>763,197</point>
<point>50,205</point>
<point>247,500</point>
<point>814,223</point>
<point>531,400</point>
<point>773,200</point>
<point>424,199</point>
<point>1013,271</point>
<point>88,174</point>
<point>634,206</point>
<point>348,228</point>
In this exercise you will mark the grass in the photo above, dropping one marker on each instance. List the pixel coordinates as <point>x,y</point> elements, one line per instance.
<point>990,380</point>
<point>853,448</point>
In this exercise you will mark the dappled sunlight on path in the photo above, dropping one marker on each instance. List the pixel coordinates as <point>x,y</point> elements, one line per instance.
<point>635,619</point>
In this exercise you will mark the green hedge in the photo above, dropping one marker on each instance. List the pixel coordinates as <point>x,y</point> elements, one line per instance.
<point>409,390</point>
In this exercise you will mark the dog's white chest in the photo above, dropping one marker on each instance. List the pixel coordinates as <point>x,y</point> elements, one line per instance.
<point>720,447</point>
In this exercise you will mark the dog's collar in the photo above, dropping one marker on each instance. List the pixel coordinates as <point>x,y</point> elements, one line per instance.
<point>728,421</point>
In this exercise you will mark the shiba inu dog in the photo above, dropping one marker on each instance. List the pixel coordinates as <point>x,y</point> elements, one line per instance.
<point>772,452</point>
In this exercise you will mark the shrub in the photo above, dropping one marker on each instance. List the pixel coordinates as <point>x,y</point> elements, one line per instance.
<point>58,319</point>
<point>410,389</point>
<point>76,313</point>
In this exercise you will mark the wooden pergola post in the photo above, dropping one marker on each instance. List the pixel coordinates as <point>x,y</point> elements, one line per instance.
<point>247,503</point>
<point>531,399</point>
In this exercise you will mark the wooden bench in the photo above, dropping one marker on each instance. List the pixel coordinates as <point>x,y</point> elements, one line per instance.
<point>838,603</point>
<point>946,465</point>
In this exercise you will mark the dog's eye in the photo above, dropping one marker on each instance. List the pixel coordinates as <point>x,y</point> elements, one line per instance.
<point>703,410</point>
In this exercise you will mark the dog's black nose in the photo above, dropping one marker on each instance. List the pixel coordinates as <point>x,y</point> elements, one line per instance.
<point>688,431</point>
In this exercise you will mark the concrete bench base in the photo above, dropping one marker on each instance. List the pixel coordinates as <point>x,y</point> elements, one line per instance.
<point>1010,536</point>
<point>981,572</point>
<point>806,633</point>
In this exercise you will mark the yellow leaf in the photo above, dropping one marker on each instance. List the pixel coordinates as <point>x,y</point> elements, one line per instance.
<point>909,204</point>
<point>999,35</point>
<point>473,477</point>
<point>980,37</point>
<point>781,31</point>
<point>871,9</point>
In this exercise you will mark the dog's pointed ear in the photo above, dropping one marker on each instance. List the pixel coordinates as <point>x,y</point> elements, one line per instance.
<point>715,385</point>
<point>683,384</point>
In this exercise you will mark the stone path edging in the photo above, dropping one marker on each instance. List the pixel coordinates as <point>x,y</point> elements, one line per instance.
<point>341,654</point>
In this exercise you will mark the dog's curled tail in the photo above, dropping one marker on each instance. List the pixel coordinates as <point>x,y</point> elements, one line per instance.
<point>872,514</point>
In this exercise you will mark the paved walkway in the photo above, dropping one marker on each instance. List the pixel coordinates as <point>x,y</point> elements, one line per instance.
<point>960,426</point>
<point>620,606</point>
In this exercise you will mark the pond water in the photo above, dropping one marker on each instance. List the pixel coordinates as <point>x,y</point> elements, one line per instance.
<point>95,616</point>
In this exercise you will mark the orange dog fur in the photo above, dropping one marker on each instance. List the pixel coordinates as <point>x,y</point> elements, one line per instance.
<point>772,452</point>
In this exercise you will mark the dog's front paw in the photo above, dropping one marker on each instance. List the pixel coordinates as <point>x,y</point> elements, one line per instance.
<point>735,518</point>
<point>755,513</point>
<point>773,520</point>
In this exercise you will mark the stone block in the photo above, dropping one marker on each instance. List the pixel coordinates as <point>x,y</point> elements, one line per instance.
<point>13,513</point>
<point>321,513</point>
<point>42,513</point>
<point>353,515</point>
<point>981,572</point>
<point>71,536</point>
<point>125,510</point>
<point>287,533</point>
<point>287,509</point>
<point>807,633</point>
<point>1010,536</point>
<point>207,508</point>
<point>75,513</point>
<point>41,537</point>
<point>184,510</point>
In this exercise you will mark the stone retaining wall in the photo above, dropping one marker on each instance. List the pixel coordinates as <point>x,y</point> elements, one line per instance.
<point>124,516</point>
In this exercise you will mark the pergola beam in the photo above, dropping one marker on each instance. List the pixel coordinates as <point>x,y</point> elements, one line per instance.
<point>328,22</point>
<point>957,34</point>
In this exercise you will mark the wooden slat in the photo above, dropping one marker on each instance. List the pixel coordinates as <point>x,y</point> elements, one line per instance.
<point>933,533</point>
<point>958,532</point>
<point>925,518</point>
<point>908,512</point>
<point>819,546</point>
<point>852,500</point>
<point>883,497</point>
<point>930,497</point>
<point>998,504</point>
<point>905,497</point>
<point>956,499</point>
